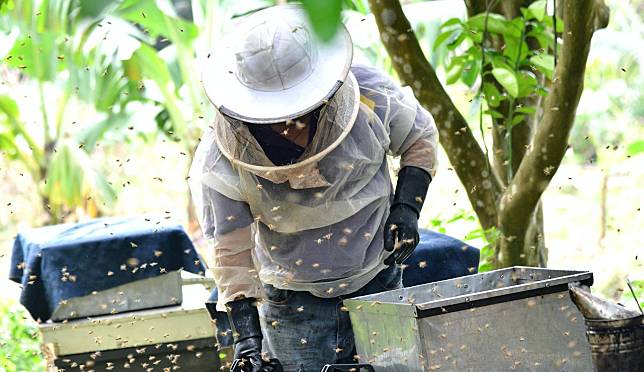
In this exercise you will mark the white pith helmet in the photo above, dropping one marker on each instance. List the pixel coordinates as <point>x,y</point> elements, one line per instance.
<point>271,68</point>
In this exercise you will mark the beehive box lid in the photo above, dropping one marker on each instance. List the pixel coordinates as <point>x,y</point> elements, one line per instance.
<point>470,291</point>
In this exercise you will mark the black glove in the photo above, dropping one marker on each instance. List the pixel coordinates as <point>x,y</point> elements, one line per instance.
<point>401,228</point>
<point>244,321</point>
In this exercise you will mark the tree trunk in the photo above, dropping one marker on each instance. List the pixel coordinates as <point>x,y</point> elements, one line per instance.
<point>540,145</point>
<point>534,247</point>
<point>530,245</point>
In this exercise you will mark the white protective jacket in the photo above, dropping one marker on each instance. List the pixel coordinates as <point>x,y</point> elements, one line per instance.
<point>323,236</point>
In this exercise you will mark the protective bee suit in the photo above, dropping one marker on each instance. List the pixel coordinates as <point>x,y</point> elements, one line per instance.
<point>319,223</point>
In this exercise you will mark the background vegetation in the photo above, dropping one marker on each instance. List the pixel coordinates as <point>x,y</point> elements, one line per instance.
<point>100,110</point>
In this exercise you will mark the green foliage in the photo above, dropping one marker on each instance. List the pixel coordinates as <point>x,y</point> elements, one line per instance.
<point>71,178</point>
<point>544,63</point>
<point>159,19</point>
<point>325,16</point>
<point>487,256</point>
<point>439,224</point>
<point>493,51</point>
<point>98,53</point>
<point>65,56</point>
<point>508,80</point>
<point>360,6</point>
<point>611,109</point>
<point>5,5</point>
<point>635,148</point>
<point>504,49</point>
<point>485,240</point>
<point>147,63</point>
<point>19,341</point>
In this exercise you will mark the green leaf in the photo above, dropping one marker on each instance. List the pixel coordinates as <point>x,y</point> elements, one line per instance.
<point>471,71</point>
<point>516,120</point>
<point>325,16</point>
<point>544,63</point>
<point>543,35</point>
<point>451,22</point>
<point>444,36</point>
<point>8,144</point>
<point>526,110</point>
<point>527,83</point>
<point>635,148</point>
<point>93,8</point>
<point>155,68</point>
<point>538,10</point>
<point>542,91</point>
<point>9,107</point>
<point>492,95</point>
<point>511,49</point>
<point>560,25</point>
<point>458,41</point>
<point>493,113</point>
<point>101,83</point>
<point>499,60</point>
<point>36,55</point>
<point>496,24</point>
<point>6,5</point>
<point>508,80</point>
<point>152,66</point>
<point>159,19</point>
<point>93,132</point>
<point>485,267</point>
<point>358,5</point>
<point>454,71</point>
<point>72,178</point>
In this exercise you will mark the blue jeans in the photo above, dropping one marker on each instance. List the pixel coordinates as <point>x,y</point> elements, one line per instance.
<point>306,332</point>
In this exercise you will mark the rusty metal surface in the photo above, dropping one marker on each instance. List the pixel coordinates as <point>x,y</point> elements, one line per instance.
<point>511,319</point>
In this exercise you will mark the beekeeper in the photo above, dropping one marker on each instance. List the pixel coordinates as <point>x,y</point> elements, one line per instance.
<point>293,186</point>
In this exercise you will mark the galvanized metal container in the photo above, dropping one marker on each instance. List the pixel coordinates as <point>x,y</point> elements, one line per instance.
<point>519,318</point>
<point>617,345</point>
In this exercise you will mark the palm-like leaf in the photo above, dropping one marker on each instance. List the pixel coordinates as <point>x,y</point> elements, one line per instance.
<point>72,178</point>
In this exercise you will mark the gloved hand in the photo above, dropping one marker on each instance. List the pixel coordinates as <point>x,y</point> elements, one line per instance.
<point>401,233</point>
<point>401,228</point>
<point>244,321</point>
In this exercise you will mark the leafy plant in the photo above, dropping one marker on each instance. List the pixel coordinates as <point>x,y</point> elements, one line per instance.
<point>509,49</point>
<point>19,340</point>
<point>478,237</point>
<point>67,59</point>
<point>493,51</point>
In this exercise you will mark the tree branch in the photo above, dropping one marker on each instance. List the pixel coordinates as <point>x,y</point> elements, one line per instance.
<point>550,141</point>
<point>463,151</point>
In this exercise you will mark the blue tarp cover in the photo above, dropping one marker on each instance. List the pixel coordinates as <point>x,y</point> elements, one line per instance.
<point>58,262</point>
<point>439,257</point>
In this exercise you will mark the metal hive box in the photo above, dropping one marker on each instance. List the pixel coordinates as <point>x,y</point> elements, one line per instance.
<point>518,318</point>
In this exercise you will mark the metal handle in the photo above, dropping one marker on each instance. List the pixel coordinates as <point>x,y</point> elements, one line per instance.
<point>347,367</point>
